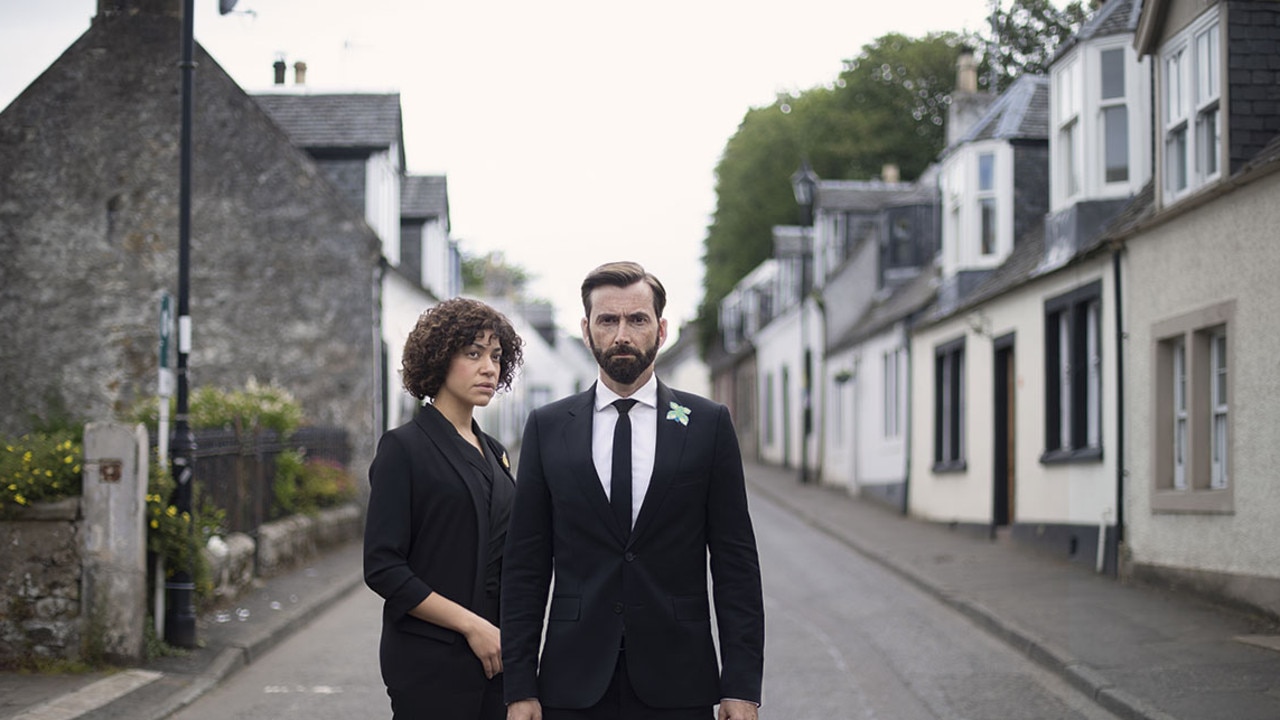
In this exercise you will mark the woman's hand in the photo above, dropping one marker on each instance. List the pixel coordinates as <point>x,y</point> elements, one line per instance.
<point>486,643</point>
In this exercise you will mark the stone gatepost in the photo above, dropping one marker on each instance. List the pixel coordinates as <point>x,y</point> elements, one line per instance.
<point>115,540</point>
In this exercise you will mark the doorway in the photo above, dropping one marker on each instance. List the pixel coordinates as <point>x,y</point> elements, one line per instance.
<point>1004,480</point>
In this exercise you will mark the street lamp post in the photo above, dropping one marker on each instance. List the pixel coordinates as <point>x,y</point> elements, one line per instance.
<point>804,183</point>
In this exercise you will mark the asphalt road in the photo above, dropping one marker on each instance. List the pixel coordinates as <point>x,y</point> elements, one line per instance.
<point>845,639</point>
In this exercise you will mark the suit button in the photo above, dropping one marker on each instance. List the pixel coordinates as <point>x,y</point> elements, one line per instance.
<point>629,557</point>
<point>617,608</point>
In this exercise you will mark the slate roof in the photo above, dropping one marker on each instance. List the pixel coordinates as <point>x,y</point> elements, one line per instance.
<point>1027,261</point>
<point>872,195</point>
<point>1115,17</point>
<point>906,299</point>
<point>337,121</point>
<point>1021,112</point>
<point>424,196</point>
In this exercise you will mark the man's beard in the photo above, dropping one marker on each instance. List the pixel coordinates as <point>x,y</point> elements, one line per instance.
<point>624,370</point>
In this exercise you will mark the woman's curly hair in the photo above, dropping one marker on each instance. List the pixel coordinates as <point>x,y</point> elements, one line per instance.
<point>444,330</point>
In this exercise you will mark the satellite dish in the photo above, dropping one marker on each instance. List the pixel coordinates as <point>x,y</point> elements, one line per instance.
<point>226,6</point>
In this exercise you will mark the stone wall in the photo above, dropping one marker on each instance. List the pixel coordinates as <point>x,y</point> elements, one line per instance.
<point>40,583</point>
<point>41,571</point>
<point>284,273</point>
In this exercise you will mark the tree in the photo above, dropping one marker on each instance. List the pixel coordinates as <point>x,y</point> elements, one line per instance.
<point>887,106</point>
<point>491,275</point>
<point>1025,37</point>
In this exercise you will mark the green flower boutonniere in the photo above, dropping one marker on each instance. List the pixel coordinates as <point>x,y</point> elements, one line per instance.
<point>679,413</point>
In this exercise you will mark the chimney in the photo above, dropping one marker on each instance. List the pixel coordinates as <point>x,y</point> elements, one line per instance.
<point>889,173</point>
<point>279,67</point>
<point>966,72</point>
<point>299,73</point>
<point>110,8</point>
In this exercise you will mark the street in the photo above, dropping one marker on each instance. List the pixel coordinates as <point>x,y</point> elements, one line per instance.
<point>845,639</point>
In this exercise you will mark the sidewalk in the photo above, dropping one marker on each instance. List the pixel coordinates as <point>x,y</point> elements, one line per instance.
<point>1140,652</point>
<point>230,639</point>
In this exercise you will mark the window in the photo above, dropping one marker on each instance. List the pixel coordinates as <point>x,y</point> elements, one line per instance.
<point>1115,117</point>
<point>948,407</point>
<point>987,201</point>
<point>893,393</point>
<point>1190,112</point>
<point>1069,129</point>
<point>1073,387</point>
<point>768,409</point>
<point>1192,428</point>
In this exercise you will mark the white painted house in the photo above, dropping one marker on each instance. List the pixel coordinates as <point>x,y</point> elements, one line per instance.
<point>1015,418</point>
<point>874,249</point>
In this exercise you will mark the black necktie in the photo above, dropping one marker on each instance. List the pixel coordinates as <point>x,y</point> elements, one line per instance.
<point>620,488</point>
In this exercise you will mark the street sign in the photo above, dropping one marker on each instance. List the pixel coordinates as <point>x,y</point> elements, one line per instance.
<point>166,380</point>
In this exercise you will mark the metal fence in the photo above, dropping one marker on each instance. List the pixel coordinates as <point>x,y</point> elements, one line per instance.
<point>236,474</point>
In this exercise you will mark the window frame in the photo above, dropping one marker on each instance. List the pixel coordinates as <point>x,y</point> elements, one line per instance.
<point>1190,109</point>
<point>1073,376</point>
<point>949,407</point>
<point>1208,424</point>
<point>1113,103</point>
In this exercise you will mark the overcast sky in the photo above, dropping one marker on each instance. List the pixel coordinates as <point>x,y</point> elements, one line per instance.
<point>573,132</point>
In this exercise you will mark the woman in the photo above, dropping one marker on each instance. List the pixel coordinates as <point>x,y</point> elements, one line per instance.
<point>440,496</point>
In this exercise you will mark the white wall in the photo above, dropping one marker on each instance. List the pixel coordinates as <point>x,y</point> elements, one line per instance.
<point>402,304</point>
<point>382,199</point>
<point>1075,493</point>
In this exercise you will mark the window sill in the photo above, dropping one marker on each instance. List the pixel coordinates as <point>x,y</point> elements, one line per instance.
<point>949,467</point>
<point>1071,456</point>
<point>1193,502</point>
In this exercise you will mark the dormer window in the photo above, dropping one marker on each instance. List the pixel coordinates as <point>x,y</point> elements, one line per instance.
<point>1190,111</point>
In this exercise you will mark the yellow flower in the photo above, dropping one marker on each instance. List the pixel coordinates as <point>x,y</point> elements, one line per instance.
<point>48,473</point>
<point>19,499</point>
<point>68,460</point>
<point>66,445</point>
<point>26,456</point>
<point>186,517</point>
<point>171,511</point>
<point>12,487</point>
<point>155,524</point>
<point>76,469</point>
<point>8,448</point>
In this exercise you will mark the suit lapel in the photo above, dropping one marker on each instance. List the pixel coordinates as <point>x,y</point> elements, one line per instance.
<point>666,460</point>
<point>577,440</point>
<point>439,431</point>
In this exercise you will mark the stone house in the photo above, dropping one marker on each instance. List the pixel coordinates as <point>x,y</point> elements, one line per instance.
<point>280,266</point>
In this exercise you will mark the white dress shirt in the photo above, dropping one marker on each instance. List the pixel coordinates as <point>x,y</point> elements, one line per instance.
<point>644,439</point>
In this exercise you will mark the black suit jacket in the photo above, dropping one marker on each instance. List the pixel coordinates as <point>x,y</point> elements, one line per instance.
<point>427,530</point>
<point>653,584</point>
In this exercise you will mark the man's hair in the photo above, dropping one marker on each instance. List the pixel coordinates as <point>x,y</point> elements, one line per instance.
<point>622,274</point>
<point>442,332</point>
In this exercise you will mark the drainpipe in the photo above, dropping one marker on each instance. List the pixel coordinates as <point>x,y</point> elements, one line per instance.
<point>1121,336</point>
<point>907,325</point>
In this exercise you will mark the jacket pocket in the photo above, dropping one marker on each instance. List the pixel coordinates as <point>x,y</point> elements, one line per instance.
<point>413,626</point>
<point>691,607</point>
<point>564,607</point>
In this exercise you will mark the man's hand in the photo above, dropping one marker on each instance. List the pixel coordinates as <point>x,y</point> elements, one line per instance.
<point>733,710</point>
<point>529,709</point>
<point>486,643</point>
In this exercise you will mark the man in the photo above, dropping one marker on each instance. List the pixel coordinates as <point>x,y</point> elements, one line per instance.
<point>628,632</point>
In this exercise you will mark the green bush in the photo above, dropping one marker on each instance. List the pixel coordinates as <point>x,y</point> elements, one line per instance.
<point>177,536</point>
<point>40,467</point>
<point>308,485</point>
<point>247,411</point>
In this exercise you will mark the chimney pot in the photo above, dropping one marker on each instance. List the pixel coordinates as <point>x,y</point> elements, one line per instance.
<point>279,68</point>
<point>299,73</point>
<point>966,72</point>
